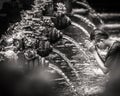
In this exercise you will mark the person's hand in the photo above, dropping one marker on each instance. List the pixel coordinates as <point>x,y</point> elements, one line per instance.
<point>90,46</point>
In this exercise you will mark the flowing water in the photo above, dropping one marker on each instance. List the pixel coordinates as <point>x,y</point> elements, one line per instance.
<point>67,60</point>
<point>59,71</point>
<point>76,44</point>
<point>92,11</point>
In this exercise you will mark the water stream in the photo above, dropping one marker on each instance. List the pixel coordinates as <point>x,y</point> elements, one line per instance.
<point>76,44</point>
<point>92,11</point>
<point>81,28</point>
<point>86,20</point>
<point>59,71</point>
<point>67,61</point>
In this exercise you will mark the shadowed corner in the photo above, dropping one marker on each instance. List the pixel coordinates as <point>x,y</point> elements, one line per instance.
<point>10,12</point>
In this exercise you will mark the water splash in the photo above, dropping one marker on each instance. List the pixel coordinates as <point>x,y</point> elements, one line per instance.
<point>92,11</point>
<point>76,44</point>
<point>59,71</point>
<point>86,20</point>
<point>81,28</point>
<point>67,60</point>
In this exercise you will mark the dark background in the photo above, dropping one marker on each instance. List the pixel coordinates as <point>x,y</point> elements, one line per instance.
<point>112,6</point>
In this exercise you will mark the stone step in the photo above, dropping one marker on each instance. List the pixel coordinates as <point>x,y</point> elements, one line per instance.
<point>110,17</point>
<point>106,17</point>
<point>112,29</point>
<point>112,26</point>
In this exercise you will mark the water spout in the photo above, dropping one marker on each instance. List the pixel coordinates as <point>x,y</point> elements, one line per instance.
<point>81,28</point>
<point>67,61</point>
<point>76,44</point>
<point>59,71</point>
<point>86,20</point>
<point>92,11</point>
